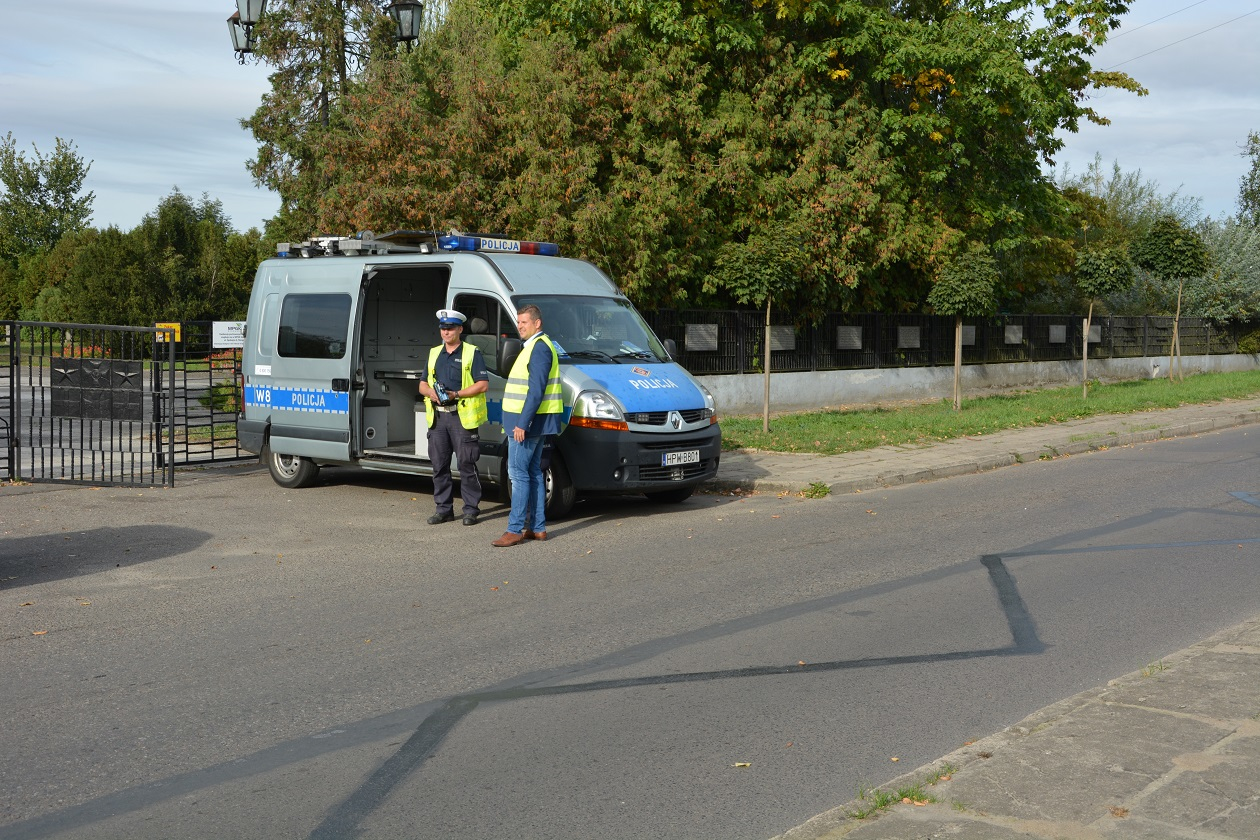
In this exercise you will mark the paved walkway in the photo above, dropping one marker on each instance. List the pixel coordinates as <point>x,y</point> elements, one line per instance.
<point>1169,752</point>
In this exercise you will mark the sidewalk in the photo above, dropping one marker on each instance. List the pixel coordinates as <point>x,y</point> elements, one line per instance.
<point>887,466</point>
<point>1172,751</point>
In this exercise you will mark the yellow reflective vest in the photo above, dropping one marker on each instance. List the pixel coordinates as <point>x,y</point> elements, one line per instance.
<point>518,381</point>
<point>472,410</point>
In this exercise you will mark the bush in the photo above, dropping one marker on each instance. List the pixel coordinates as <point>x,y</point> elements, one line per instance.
<point>223,396</point>
<point>1250,343</point>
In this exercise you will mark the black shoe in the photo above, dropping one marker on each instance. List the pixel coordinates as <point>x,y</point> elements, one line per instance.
<point>470,519</point>
<point>439,518</point>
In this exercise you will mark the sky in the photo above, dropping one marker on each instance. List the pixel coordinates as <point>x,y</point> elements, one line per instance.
<point>150,93</point>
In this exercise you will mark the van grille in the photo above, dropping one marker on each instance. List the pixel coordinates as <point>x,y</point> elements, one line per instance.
<point>658,418</point>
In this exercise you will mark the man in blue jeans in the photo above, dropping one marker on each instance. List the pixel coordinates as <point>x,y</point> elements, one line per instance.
<point>532,406</point>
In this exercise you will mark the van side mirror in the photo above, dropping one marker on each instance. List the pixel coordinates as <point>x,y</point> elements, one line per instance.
<point>509,349</point>
<point>671,348</point>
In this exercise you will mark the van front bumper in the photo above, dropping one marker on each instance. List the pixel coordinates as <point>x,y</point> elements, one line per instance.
<point>602,461</point>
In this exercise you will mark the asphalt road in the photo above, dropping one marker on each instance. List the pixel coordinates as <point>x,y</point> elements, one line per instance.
<point>229,659</point>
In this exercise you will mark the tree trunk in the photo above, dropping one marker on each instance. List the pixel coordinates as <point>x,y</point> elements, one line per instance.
<point>765,409</point>
<point>1085,353</point>
<point>958,325</point>
<point>1174,350</point>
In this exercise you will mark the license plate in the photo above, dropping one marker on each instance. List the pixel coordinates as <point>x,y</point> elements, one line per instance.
<point>673,459</point>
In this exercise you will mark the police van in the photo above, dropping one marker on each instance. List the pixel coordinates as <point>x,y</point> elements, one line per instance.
<point>337,339</point>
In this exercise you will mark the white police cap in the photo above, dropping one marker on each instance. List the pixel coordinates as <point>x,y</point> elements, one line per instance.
<point>449,317</point>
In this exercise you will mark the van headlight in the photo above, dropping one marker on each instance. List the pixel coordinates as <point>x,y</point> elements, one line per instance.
<point>710,406</point>
<point>598,410</point>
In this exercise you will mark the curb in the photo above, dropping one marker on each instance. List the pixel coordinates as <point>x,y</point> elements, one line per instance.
<point>836,823</point>
<point>970,467</point>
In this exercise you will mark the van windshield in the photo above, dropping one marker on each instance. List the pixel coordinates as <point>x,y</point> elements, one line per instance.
<point>596,329</point>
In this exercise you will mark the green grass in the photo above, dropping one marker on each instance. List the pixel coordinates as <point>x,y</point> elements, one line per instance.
<point>833,432</point>
<point>876,800</point>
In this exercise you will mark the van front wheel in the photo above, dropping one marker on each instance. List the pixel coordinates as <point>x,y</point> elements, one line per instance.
<point>291,471</point>
<point>561,494</point>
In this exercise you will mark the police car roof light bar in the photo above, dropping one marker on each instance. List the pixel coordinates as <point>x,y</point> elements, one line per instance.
<point>476,242</point>
<point>410,242</point>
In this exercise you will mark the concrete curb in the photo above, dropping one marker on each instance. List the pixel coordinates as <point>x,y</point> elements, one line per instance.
<point>831,468</point>
<point>837,823</point>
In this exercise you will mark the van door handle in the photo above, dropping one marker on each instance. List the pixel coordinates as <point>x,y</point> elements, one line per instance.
<point>341,384</point>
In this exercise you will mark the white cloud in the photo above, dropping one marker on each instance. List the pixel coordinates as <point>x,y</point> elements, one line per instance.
<point>1187,135</point>
<point>148,91</point>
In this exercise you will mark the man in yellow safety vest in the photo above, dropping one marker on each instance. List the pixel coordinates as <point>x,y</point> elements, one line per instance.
<point>532,406</point>
<point>454,392</point>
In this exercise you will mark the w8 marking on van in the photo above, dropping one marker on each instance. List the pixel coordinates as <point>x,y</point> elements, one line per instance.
<point>338,333</point>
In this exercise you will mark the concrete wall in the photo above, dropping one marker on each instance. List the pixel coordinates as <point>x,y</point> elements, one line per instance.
<point>742,393</point>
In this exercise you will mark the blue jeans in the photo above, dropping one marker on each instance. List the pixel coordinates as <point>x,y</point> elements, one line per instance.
<point>529,490</point>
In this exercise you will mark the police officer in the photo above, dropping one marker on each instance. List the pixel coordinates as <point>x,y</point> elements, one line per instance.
<point>454,392</point>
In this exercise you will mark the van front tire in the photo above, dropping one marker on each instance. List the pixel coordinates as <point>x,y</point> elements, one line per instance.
<point>561,494</point>
<point>291,471</point>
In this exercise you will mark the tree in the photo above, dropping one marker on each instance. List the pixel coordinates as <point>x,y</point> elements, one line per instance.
<point>648,136</point>
<point>1172,253</point>
<point>1099,271</point>
<point>1230,290</point>
<point>41,202</point>
<point>1249,189</point>
<point>317,47</point>
<point>965,286</point>
<point>757,272</point>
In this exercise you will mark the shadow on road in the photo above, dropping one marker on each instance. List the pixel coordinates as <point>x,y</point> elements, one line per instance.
<point>30,560</point>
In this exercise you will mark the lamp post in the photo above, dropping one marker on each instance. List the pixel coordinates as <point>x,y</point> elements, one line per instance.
<point>241,26</point>
<point>406,15</point>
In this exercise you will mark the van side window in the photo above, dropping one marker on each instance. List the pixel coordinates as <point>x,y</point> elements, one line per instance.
<point>482,327</point>
<point>314,326</point>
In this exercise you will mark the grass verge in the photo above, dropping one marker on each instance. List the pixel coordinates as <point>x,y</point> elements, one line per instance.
<point>876,800</point>
<point>834,431</point>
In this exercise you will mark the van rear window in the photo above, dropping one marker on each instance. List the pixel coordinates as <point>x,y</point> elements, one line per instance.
<point>314,326</point>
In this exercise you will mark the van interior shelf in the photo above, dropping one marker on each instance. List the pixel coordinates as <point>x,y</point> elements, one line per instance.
<point>399,374</point>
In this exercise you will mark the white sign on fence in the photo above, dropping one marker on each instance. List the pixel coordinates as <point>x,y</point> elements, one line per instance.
<point>228,334</point>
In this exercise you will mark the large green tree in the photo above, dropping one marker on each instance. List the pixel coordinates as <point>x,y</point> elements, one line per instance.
<point>647,136</point>
<point>316,48</point>
<point>41,201</point>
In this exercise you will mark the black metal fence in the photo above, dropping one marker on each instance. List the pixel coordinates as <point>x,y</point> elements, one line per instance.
<point>732,342</point>
<point>83,404</point>
<point>102,404</point>
<point>125,405</point>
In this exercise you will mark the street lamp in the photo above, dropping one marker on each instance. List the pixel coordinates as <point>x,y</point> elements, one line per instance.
<point>241,26</point>
<point>406,15</point>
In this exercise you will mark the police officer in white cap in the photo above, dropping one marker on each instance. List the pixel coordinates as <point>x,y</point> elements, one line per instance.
<point>454,392</point>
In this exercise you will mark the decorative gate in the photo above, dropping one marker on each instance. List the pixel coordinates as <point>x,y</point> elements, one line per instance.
<point>84,403</point>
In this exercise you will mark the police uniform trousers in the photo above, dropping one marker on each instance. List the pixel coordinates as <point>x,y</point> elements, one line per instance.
<point>449,436</point>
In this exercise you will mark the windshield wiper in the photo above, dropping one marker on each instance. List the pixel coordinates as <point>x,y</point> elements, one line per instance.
<point>637,354</point>
<point>588,354</point>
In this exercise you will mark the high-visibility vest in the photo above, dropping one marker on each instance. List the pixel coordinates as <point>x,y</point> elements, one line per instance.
<point>472,410</point>
<point>518,381</point>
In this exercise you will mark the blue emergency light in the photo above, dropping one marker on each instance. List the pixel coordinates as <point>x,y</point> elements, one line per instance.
<point>465,242</point>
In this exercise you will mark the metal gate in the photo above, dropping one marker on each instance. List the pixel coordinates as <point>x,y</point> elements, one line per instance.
<point>84,404</point>
<point>206,392</point>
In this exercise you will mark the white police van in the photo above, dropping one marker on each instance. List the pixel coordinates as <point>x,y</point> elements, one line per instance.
<point>337,339</point>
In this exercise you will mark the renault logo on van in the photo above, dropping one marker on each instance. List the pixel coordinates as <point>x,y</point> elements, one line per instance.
<point>675,419</point>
